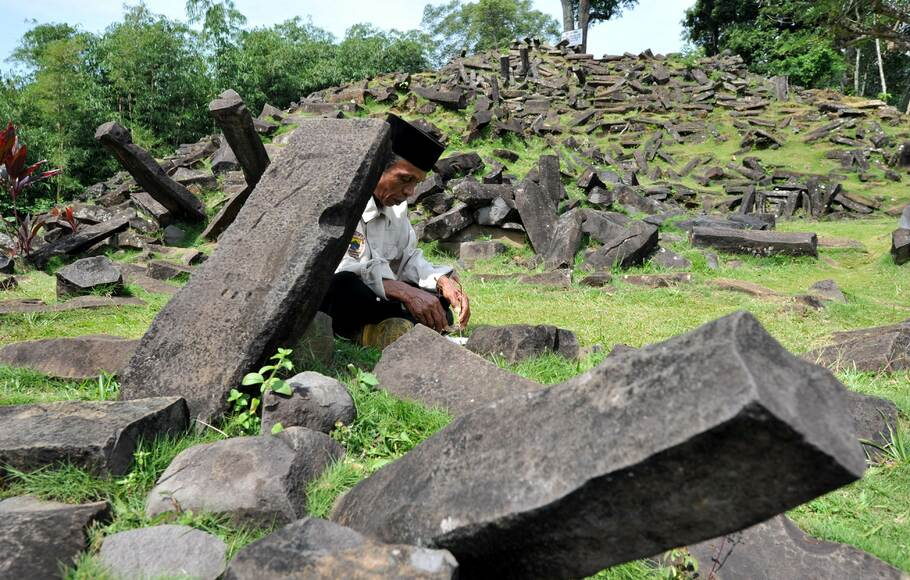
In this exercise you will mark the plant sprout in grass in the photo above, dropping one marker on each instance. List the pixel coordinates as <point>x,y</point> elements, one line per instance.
<point>245,406</point>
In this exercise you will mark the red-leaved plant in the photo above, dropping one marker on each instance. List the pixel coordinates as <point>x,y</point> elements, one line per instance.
<point>15,177</point>
<point>68,218</point>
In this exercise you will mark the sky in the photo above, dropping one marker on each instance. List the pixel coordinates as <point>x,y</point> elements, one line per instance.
<point>654,24</point>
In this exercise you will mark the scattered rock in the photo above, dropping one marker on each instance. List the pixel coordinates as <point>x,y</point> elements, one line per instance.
<point>193,347</point>
<point>166,550</point>
<point>427,368</point>
<point>173,236</point>
<point>38,538</point>
<point>317,343</point>
<point>517,342</point>
<point>164,270</point>
<point>255,480</point>
<point>99,435</point>
<point>777,548</point>
<point>659,280</point>
<point>628,246</point>
<point>318,403</point>
<point>828,290</point>
<point>756,242</point>
<point>79,242</point>
<point>669,259</point>
<point>900,246</point>
<point>470,252</point>
<point>83,357</point>
<point>7,266</point>
<point>313,548</point>
<point>557,278</point>
<point>597,280</point>
<point>840,244</point>
<point>879,349</point>
<point>727,419</point>
<point>34,305</point>
<point>87,276</point>
<point>872,417</point>
<point>750,288</point>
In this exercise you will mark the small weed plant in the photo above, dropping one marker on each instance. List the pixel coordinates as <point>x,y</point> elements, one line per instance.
<point>246,419</point>
<point>897,448</point>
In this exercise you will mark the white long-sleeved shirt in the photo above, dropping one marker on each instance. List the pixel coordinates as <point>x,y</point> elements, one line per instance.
<point>384,247</point>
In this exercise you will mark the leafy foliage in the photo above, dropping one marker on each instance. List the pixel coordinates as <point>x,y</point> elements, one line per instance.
<point>483,25</point>
<point>245,406</point>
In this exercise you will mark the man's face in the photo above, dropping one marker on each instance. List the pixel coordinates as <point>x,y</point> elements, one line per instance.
<point>398,183</point>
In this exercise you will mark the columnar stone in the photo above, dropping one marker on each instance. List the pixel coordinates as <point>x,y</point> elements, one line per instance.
<point>236,123</point>
<point>227,214</point>
<point>254,480</point>
<point>88,275</point>
<point>525,60</point>
<point>79,242</point>
<point>290,235</point>
<point>777,548</point>
<point>625,246</point>
<point>879,349</point>
<point>448,224</point>
<point>454,99</point>
<point>905,218</point>
<point>38,538</point>
<point>150,206</point>
<point>504,69</point>
<point>429,369</point>
<point>99,435</point>
<point>757,242</point>
<point>549,177</point>
<point>538,214</point>
<point>82,357</point>
<point>900,246</point>
<point>565,241</point>
<point>722,418</point>
<point>147,173</point>
<point>781,87</point>
<point>313,548</point>
<point>164,551</point>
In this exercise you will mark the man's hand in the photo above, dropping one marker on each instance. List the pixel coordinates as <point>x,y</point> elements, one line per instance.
<point>451,290</point>
<point>425,307</point>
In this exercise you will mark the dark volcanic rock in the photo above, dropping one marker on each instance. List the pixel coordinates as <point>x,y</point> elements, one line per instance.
<point>627,246</point>
<point>733,221</point>
<point>425,367</point>
<point>724,418</point>
<point>254,480</point>
<point>900,246</point>
<point>87,275</point>
<point>449,99</point>
<point>227,214</point>
<point>33,305</point>
<point>872,417</point>
<point>147,173</point>
<point>566,239</point>
<point>318,403</point>
<point>879,349</point>
<point>538,214</point>
<point>79,242</point>
<point>150,206</point>
<point>99,436</point>
<point>6,264</point>
<point>759,243</point>
<point>458,165</point>
<point>290,235</point>
<point>828,290</point>
<point>446,225</point>
<point>243,141</point>
<point>313,548</point>
<point>164,551</point>
<point>517,342</point>
<point>39,538</point>
<point>82,357</point>
<point>778,549</point>
<point>669,259</point>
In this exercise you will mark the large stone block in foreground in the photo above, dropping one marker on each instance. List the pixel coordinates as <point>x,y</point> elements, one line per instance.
<point>99,435</point>
<point>778,549</point>
<point>681,441</point>
<point>429,369</point>
<point>262,286</point>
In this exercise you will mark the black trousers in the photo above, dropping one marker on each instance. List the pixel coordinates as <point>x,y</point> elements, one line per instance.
<point>352,304</point>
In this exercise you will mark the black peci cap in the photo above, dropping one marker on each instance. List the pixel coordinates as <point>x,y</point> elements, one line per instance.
<point>412,144</point>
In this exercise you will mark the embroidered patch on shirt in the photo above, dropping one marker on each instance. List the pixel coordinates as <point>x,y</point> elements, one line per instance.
<point>357,247</point>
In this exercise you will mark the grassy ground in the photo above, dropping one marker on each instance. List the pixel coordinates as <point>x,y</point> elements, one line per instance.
<point>871,514</point>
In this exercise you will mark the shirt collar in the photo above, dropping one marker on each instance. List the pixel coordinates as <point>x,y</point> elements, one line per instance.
<point>372,211</point>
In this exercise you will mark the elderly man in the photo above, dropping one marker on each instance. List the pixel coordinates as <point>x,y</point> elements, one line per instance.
<point>384,285</point>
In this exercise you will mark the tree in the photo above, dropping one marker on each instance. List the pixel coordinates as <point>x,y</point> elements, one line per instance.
<point>483,25</point>
<point>222,24</point>
<point>587,12</point>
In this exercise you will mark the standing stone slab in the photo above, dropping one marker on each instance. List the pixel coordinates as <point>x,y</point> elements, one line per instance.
<point>538,214</point>
<point>777,550</point>
<point>314,548</point>
<point>427,368</point>
<point>147,173</point>
<point>38,538</point>
<point>289,237</point>
<point>565,241</point>
<point>99,435</point>
<point>82,357</point>
<point>236,122</point>
<point>900,246</point>
<point>164,551</point>
<point>757,242</point>
<point>606,467</point>
<point>255,480</point>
